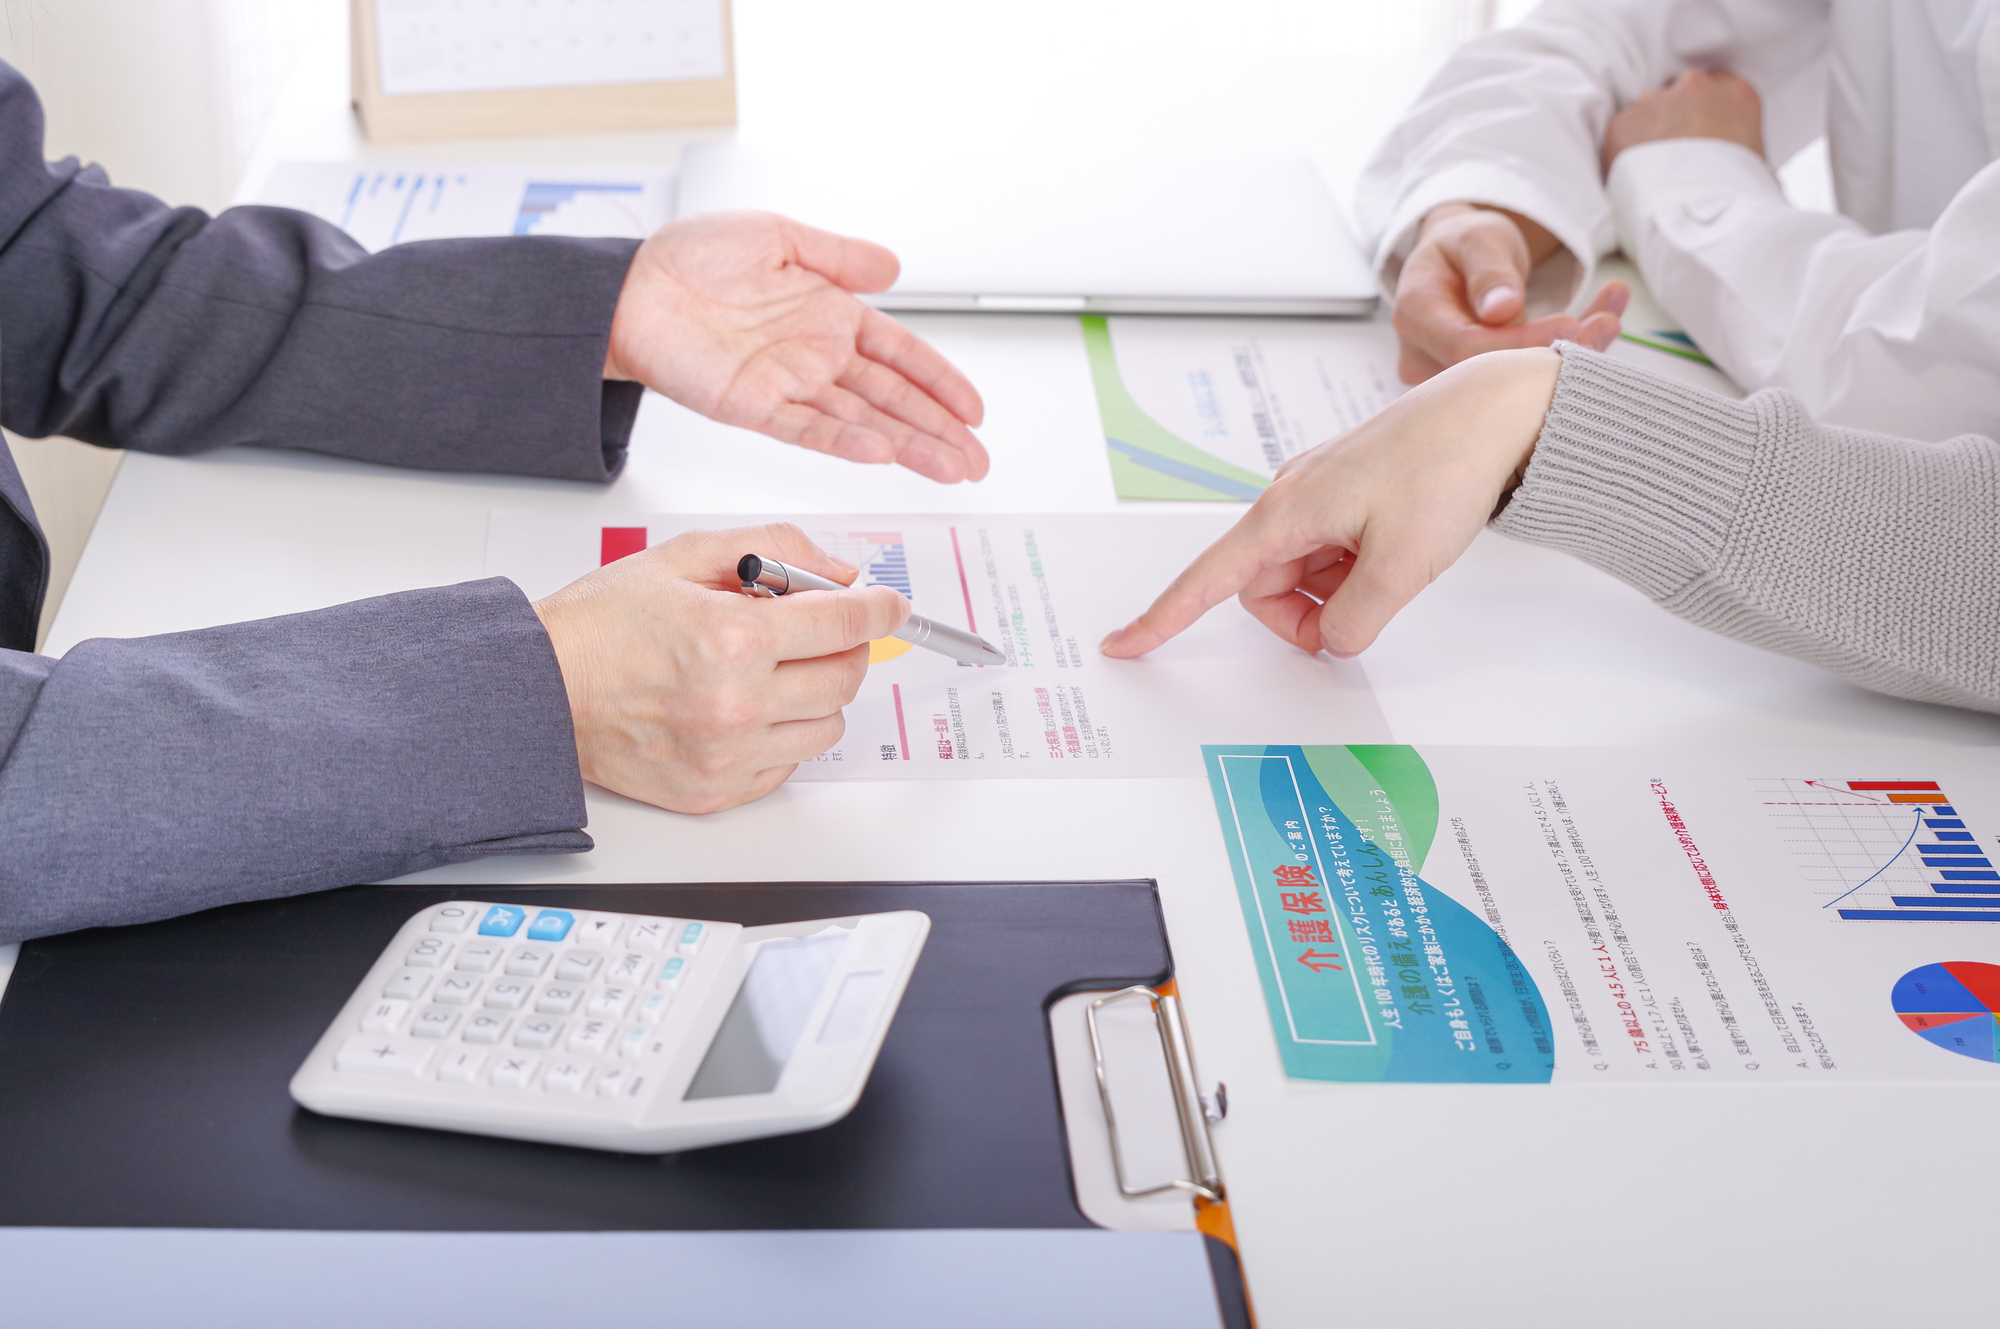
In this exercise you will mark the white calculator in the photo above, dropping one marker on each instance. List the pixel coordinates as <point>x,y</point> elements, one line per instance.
<point>614,1031</point>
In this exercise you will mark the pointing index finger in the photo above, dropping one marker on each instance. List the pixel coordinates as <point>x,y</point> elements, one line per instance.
<point>1221,570</point>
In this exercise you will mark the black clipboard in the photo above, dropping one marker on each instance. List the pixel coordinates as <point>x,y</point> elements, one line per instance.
<point>143,1076</point>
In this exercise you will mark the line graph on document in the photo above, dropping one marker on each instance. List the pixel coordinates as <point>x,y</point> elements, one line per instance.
<point>1851,845</point>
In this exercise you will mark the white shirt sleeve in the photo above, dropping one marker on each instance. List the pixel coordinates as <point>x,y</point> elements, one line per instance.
<point>1895,333</point>
<point>1516,119</point>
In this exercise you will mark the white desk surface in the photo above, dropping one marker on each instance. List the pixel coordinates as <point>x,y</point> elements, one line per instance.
<point>1362,1204</point>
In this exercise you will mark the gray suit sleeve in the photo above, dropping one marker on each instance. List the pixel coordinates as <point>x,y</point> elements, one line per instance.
<point>149,777</point>
<point>131,324</point>
<point>1877,558</point>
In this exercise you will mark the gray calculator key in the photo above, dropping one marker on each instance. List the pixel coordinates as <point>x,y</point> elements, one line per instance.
<point>407,985</point>
<point>529,961</point>
<point>456,989</point>
<point>558,999</point>
<point>428,953</point>
<point>377,1055</point>
<point>485,1027</point>
<point>591,1036</point>
<point>653,934</point>
<point>610,1003</point>
<point>452,918</point>
<point>514,1072</point>
<point>508,994</point>
<point>631,967</point>
<point>566,1077</point>
<point>434,1022</point>
<point>580,966</point>
<point>538,1032</point>
<point>479,957</point>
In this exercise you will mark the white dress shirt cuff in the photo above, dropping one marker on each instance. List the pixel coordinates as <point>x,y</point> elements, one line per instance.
<point>1493,187</point>
<point>1656,184</point>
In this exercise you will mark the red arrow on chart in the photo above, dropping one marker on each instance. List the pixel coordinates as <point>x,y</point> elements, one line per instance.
<point>1319,962</point>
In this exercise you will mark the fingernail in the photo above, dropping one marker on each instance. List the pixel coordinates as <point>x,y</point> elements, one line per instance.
<point>1494,298</point>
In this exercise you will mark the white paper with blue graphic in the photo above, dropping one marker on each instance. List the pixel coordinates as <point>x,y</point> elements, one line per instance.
<point>1621,916</point>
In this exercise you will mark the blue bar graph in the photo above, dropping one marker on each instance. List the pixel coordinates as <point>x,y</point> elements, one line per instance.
<point>1970,876</point>
<point>1962,887</point>
<point>1961,902</point>
<point>1923,915</point>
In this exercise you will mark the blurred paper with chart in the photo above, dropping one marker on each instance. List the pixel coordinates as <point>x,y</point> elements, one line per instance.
<point>1044,590</point>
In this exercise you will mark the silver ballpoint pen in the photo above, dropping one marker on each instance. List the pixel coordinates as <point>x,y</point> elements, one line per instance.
<point>768,577</point>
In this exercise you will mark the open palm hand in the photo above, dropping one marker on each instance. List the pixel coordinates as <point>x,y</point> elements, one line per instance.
<point>751,319</point>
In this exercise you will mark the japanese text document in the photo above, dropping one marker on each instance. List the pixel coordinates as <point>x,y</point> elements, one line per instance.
<point>1042,589</point>
<point>1210,408</point>
<point>1605,915</point>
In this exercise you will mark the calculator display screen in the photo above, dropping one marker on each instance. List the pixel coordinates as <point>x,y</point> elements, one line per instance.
<point>768,1017</point>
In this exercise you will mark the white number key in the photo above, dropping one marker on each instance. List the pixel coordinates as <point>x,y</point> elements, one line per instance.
<point>558,999</point>
<point>566,1077</point>
<point>591,1036</point>
<point>508,994</point>
<point>485,1027</point>
<point>579,966</point>
<point>529,961</point>
<point>479,957</point>
<point>538,1033</point>
<point>461,1067</point>
<point>408,985</point>
<point>434,1022</point>
<point>610,1003</point>
<point>381,1056</point>
<point>455,989</point>
<point>515,1072</point>
<point>428,953</point>
<point>452,918</point>
<point>385,1016</point>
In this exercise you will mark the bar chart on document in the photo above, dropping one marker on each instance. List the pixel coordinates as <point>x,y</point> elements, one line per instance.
<point>1037,589</point>
<point>1886,850</point>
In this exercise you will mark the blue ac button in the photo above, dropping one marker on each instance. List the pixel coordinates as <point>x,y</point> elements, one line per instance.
<point>551,925</point>
<point>502,920</point>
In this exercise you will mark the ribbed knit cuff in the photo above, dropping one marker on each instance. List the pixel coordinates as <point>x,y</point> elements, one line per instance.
<point>1636,474</point>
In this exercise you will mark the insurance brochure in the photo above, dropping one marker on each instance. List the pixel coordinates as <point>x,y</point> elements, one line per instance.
<point>1608,915</point>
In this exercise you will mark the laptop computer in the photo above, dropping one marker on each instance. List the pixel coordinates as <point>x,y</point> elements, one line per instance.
<point>1249,235</point>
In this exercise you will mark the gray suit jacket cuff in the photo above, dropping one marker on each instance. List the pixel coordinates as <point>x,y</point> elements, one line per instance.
<point>149,777</point>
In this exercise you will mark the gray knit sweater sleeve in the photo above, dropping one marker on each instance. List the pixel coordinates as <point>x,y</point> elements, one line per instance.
<point>1877,558</point>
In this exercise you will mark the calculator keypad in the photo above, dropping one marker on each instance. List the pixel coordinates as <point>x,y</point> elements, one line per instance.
<point>508,998</point>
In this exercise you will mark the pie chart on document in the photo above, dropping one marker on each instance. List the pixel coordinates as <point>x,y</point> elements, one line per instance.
<point>1955,1005</point>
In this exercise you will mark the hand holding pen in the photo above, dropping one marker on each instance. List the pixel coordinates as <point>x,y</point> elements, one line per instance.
<point>767,577</point>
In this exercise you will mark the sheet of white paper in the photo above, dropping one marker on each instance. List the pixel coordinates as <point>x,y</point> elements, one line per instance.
<point>1256,392</point>
<point>381,206</point>
<point>1798,916</point>
<point>1043,589</point>
<point>1212,407</point>
<point>481,45</point>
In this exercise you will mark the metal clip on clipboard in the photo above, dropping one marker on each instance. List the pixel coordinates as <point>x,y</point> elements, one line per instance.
<point>1194,1110</point>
